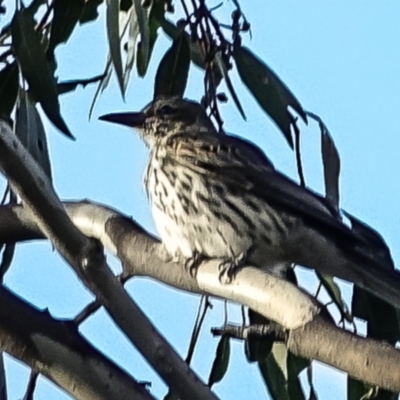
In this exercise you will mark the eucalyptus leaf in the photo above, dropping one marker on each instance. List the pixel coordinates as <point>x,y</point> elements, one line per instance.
<point>131,46</point>
<point>225,73</point>
<point>221,361</point>
<point>103,83</point>
<point>335,294</point>
<point>267,88</point>
<point>66,16</point>
<point>172,72</point>
<point>90,12</point>
<point>331,162</point>
<point>8,89</point>
<point>280,372</point>
<point>256,348</point>
<point>143,49</point>
<point>112,20</point>
<point>30,131</point>
<point>34,66</point>
<point>196,54</point>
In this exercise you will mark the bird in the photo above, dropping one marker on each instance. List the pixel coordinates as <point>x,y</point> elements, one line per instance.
<point>216,195</point>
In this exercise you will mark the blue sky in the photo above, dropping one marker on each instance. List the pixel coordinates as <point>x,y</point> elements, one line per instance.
<point>340,58</point>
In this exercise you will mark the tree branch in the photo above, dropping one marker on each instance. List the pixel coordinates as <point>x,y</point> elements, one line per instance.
<point>363,358</point>
<point>86,257</point>
<point>57,350</point>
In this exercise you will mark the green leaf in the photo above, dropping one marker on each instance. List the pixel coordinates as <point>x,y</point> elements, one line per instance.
<point>224,71</point>
<point>143,49</point>
<point>131,46</point>
<point>335,294</point>
<point>8,89</point>
<point>221,361</point>
<point>66,16</point>
<point>271,93</point>
<point>70,86</point>
<point>196,53</point>
<point>35,69</point>
<point>103,83</point>
<point>34,6</point>
<point>172,73</point>
<point>256,348</point>
<point>330,160</point>
<point>379,314</point>
<point>280,372</point>
<point>29,129</point>
<point>90,12</point>
<point>112,18</point>
<point>156,14</point>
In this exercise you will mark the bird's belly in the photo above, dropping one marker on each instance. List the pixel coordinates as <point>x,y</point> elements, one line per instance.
<point>196,217</point>
<point>186,233</point>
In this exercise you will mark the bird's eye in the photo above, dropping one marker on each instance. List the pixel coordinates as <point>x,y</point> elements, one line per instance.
<point>167,110</point>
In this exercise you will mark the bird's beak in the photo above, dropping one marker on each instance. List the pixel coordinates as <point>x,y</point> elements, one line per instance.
<point>131,119</point>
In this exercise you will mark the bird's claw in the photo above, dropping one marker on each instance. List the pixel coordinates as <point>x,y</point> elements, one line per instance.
<point>192,264</point>
<point>228,269</point>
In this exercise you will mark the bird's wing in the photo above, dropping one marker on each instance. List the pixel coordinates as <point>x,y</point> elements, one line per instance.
<point>244,167</point>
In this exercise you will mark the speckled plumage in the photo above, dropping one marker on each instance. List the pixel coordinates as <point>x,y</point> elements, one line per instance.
<point>219,196</point>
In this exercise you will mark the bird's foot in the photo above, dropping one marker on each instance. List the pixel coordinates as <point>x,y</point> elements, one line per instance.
<point>228,269</point>
<point>192,264</point>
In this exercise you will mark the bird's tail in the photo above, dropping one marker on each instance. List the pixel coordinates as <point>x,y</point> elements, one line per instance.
<point>365,261</point>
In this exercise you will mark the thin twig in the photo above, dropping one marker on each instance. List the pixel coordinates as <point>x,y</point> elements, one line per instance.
<point>197,327</point>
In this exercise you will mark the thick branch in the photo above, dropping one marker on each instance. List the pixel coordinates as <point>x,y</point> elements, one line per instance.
<point>365,359</point>
<point>87,259</point>
<point>58,351</point>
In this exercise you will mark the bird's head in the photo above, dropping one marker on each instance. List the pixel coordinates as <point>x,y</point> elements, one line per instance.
<point>164,117</point>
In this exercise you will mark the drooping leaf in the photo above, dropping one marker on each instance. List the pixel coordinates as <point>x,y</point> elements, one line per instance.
<point>357,390</point>
<point>103,83</point>
<point>224,71</point>
<point>379,314</point>
<point>256,348</point>
<point>172,73</point>
<point>90,12</point>
<point>280,372</point>
<point>335,294</point>
<point>30,131</point>
<point>196,53</point>
<point>8,89</point>
<point>66,16</point>
<point>143,49</point>
<point>34,6</point>
<point>131,46</point>
<point>221,361</point>
<point>331,162</point>
<point>267,88</point>
<point>156,14</point>
<point>35,69</point>
<point>70,86</point>
<point>114,43</point>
